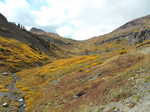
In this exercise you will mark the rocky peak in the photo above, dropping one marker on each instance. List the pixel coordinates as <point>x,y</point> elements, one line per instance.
<point>37,30</point>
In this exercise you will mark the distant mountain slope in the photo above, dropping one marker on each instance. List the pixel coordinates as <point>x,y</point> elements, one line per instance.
<point>37,30</point>
<point>51,37</point>
<point>137,23</point>
<point>70,46</point>
<point>129,34</point>
<point>135,31</point>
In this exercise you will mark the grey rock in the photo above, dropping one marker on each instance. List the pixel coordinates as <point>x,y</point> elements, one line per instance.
<point>5,104</point>
<point>5,73</point>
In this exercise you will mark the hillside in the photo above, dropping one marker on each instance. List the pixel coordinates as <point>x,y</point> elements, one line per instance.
<point>129,34</point>
<point>130,31</point>
<point>71,46</point>
<point>18,32</point>
<point>15,55</point>
<point>109,73</point>
<point>20,49</point>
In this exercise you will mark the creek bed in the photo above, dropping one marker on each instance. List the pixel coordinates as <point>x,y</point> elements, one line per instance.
<point>13,94</point>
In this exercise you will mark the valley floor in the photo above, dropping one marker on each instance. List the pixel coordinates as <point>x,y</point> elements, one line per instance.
<point>109,82</point>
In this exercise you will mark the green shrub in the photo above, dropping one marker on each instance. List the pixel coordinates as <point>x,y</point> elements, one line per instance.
<point>2,49</point>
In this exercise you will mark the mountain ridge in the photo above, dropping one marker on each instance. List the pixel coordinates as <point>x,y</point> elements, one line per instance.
<point>136,22</point>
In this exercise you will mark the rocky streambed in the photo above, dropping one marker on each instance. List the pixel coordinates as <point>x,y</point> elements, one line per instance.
<point>12,100</point>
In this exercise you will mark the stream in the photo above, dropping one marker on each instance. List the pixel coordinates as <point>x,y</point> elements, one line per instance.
<point>14,94</point>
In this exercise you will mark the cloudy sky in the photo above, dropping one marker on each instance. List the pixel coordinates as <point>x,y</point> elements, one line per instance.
<point>77,19</point>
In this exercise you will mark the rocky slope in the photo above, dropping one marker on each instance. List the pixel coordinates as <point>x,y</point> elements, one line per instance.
<point>130,34</point>
<point>37,30</point>
<point>134,31</point>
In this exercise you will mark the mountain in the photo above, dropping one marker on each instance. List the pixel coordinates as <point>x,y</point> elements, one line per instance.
<point>135,31</point>
<point>70,46</point>
<point>51,37</point>
<point>131,33</point>
<point>36,30</point>
<point>18,38</point>
<point>108,73</point>
<point>136,24</point>
<point>18,32</point>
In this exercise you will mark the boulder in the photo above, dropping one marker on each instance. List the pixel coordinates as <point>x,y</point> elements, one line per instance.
<point>5,73</point>
<point>5,104</point>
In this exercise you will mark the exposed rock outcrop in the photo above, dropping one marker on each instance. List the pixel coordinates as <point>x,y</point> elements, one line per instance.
<point>138,37</point>
<point>37,30</point>
<point>3,19</point>
<point>135,31</point>
<point>132,37</point>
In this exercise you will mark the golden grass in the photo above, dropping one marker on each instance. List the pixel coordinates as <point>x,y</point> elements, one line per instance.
<point>45,87</point>
<point>36,82</point>
<point>15,55</point>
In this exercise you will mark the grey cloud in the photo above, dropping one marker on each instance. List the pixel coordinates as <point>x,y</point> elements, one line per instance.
<point>116,12</point>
